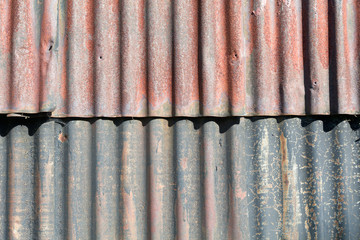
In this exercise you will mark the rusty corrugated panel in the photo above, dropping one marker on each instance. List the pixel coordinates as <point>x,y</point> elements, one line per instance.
<point>239,178</point>
<point>179,58</point>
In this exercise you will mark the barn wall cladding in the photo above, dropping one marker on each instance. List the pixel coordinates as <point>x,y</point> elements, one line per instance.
<point>179,119</point>
<point>141,58</point>
<point>228,178</point>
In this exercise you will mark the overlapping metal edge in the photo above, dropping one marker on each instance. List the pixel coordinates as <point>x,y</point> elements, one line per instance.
<point>179,58</point>
<point>238,178</point>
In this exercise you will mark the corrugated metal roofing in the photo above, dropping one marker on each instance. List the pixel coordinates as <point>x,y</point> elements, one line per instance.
<point>237,178</point>
<point>179,58</point>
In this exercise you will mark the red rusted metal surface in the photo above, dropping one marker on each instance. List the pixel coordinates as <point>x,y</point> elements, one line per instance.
<point>179,58</point>
<point>220,178</point>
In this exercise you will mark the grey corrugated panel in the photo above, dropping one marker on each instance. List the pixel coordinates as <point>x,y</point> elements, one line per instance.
<point>192,58</point>
<point>234,178</point>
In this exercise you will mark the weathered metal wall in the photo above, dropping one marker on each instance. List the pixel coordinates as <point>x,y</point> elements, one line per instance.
<point>184,178</point>
<point>179,58</point>
<point>238,178</point>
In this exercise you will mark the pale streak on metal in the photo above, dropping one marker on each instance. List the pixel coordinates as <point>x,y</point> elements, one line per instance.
<point>220,178</point>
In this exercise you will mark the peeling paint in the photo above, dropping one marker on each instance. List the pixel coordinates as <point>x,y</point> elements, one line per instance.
<point>179,58</point>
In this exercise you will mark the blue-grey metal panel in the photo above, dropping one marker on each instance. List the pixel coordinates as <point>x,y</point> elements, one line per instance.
<point>228,178</point>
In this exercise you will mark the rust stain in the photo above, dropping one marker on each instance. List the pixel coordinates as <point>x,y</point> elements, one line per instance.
<point>182,215</point>
<point>178,58</point>
<point>275,184</point>
<point>239,193</point>
<point>321,21</point>
<point>284,158</point>
<point>62,137</point>
<point>290,204</point>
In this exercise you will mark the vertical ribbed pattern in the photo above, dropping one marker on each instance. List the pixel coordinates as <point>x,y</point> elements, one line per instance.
<point>187,58</point>
<point>188,181</point>
<point>107,57</point>
<point>79,53</point>
<point>160,56</point>
<point>133,58</point>
<point>6,24</point>
<point>161,181</point>
<point>21,184</point>
<point>212,178</point>
<point>185,50</point>
<point>265,175</point>
<point>216,186</point>
<point>45,168</point>
<point>133,179</point>
<point>106,180</point>
<point>4,203</point>
<point>79,180</point>
<point>317,28</point>
<point>154,171</point>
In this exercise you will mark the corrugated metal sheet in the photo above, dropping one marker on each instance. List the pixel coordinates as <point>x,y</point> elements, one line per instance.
<point>179,58</point>
<point>238,178</point>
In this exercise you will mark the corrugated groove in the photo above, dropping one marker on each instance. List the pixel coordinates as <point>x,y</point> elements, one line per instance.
<point>234,178</point>
<point>117,58</point>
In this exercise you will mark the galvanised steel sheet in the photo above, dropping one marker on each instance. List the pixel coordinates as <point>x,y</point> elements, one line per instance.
<point>179,58</point>
<point>228,178</point>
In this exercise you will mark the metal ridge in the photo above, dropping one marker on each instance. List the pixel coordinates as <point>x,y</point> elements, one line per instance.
<point>237,178</point>
<point>116,58</point>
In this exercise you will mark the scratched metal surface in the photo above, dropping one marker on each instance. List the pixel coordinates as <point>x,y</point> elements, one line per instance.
<point>238,178</point>
<point>179,58</point>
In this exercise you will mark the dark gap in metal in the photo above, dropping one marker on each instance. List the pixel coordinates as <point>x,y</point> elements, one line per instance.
<point>121,72</point>
<point>8,183</point>
<point>176,179</point>
<point>280,60</point>
<point>41,83</point>
<point>67,58</point>
<point>148,175</point>
<point>333,56</point>
<point>37,183</point>
<point>229,54</point>
<point>94,181</point>
<point>330,121</point>
<point>254,71</point>
<point>173,179</point>
<point>118,138</point>
<point>173,51</point>
<point>120,203</point>
<point>94,59</point>
<point>11,57</point>
<point>147,54</point>
<point>357,22</point>
<point>65,165</point>
<point>231,182</point>
<point>202,169</point>
<point>200,59</point>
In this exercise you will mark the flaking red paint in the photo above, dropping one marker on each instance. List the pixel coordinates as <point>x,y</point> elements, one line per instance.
<point>192,58</point>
